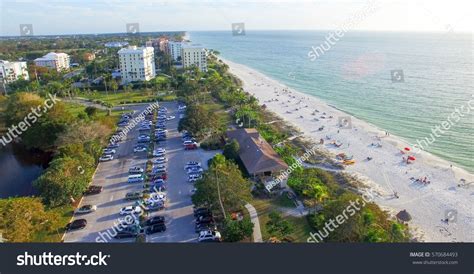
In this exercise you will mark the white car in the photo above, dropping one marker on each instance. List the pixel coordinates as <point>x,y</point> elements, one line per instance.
<point>194,170</point>
<point>131,210</point>
<point>187,143</point>
<point>160,150</point>
<point>139,149</point>
<point>160,161</point>
<point>170,117</point>
<point>209,236</point>
<point>106,158</point>
<point>108,151</point>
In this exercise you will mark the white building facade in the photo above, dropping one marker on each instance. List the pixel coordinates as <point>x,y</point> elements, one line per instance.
<point>53,60</point>
<point>194,55</point>
<point>174,49</point>
<point>137,64</point>
<point>12,71</point>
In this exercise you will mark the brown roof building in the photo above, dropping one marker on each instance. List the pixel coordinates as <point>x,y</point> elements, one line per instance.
<point>257,155</point>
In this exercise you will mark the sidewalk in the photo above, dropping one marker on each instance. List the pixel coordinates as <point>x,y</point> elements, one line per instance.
<point>257,233</point>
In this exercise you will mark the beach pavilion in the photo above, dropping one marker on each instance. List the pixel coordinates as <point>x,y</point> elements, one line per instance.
<point>257,155</point>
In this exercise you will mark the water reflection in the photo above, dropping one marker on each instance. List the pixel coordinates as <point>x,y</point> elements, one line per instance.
<point>19,168</point>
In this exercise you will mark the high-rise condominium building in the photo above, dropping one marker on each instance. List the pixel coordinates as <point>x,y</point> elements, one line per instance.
<point>174,49</point>
<point>137,64</point>
<point>194,54</point>
<point>54,60</point>
<point>12,71</point>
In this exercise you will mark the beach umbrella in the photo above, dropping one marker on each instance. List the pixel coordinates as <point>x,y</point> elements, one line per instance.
<point>411,158</point>
<point>407,149</point>
<point>404,216</point>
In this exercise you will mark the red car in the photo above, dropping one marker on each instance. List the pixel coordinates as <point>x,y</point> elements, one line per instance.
<point>190,147</point>
<point>162,175</point>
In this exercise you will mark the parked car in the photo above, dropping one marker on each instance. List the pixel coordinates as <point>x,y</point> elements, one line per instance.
<point>136,178</point>
<point>109,151</point>
<point>155,220</point>
<point>76,224</point>
<point>113,145</point>
<point>155,207</point>
<point>105,158</point>
<point>86,209</point>
<point>192,164</point>
<point>126,234</point>
<point>91,190</point>
<point>158,170</point>
<point>130,210</point>
<point>190,146</point>
<point>160,160</point>
<point>155,228</point>
<point>143,138</point>
<point>135,170</point>
<point>195,169</point>
<point>209,236</point>
<point>200,227</point>
<point>134,195</point>
<point>139,149</point>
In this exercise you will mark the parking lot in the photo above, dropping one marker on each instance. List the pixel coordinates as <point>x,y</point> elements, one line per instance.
<point>112,176</point>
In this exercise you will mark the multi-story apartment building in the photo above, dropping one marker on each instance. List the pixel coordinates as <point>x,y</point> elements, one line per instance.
<point>163,44</point>
<point>12,71</point>
<point>53,60</point>
<point>174,49</point>
<point>194,54</point>
<point>137,64</point>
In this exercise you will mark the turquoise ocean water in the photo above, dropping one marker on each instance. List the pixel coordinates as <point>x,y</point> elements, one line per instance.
<point>355,75</point>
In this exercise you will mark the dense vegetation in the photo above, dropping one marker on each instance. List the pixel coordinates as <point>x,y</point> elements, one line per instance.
<point>369,223</point>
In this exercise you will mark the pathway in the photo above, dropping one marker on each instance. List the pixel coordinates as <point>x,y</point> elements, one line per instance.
<point>257,233</point>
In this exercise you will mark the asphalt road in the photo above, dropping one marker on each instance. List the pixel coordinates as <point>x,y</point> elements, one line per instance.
<point>113,176</point>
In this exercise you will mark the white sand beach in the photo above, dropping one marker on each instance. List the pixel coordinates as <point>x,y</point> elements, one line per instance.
<point>428,202</point>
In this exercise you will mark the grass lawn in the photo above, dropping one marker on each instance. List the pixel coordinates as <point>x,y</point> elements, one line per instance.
<point>74,109</point>
<point>57,231</point>
<point>265,206</point>
<point>121,97</point>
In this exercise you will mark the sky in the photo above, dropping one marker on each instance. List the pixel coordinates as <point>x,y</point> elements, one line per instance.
<point>109,16</point>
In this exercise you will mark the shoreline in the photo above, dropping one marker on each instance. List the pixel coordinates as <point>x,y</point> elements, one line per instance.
<point>427,203</point>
